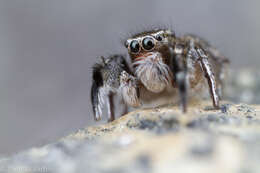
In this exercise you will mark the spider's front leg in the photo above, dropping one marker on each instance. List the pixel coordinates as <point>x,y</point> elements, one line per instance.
<point>96,90</point>
<point>178,66</point>
<point>200,56</point>
<point>111,78</point>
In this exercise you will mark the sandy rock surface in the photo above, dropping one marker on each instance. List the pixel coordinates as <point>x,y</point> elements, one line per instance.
<point>157,140</point>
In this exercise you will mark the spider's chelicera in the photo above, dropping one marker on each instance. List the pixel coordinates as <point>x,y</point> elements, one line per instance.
<point>161,65</point>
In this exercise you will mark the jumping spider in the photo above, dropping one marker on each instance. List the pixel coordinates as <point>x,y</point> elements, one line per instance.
<point>161,65</point>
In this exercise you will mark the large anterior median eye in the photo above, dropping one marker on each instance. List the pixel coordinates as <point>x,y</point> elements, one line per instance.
<point>148,43</point>
<point>134,46</point>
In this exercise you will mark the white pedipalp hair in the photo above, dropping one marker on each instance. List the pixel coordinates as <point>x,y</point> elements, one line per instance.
<point>153,72</point>
<point>129,89</point>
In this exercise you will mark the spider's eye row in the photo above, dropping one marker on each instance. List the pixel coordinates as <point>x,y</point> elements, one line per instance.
<point>159,37</point>
<point>148,43</point>
<point>134,46</point>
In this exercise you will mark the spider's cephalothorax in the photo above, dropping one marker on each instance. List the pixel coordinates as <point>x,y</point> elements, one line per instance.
<point>161,66</point>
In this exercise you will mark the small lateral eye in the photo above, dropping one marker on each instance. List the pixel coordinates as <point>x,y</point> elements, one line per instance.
<point>134,46</point>
<point>159,37</point>
<point>148,43</point>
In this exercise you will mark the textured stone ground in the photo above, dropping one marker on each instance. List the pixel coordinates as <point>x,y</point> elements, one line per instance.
<point>158,140</point>
<point>161,140</point>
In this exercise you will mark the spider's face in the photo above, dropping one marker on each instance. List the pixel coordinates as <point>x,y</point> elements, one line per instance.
<point>149,53</point>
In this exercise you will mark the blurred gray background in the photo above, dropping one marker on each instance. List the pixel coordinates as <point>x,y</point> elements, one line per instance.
<point>47,48</point>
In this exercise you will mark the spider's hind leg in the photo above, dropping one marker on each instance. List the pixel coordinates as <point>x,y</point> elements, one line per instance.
<point>222,63</point>
<point>205,65</point>
<point>200,56</point>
